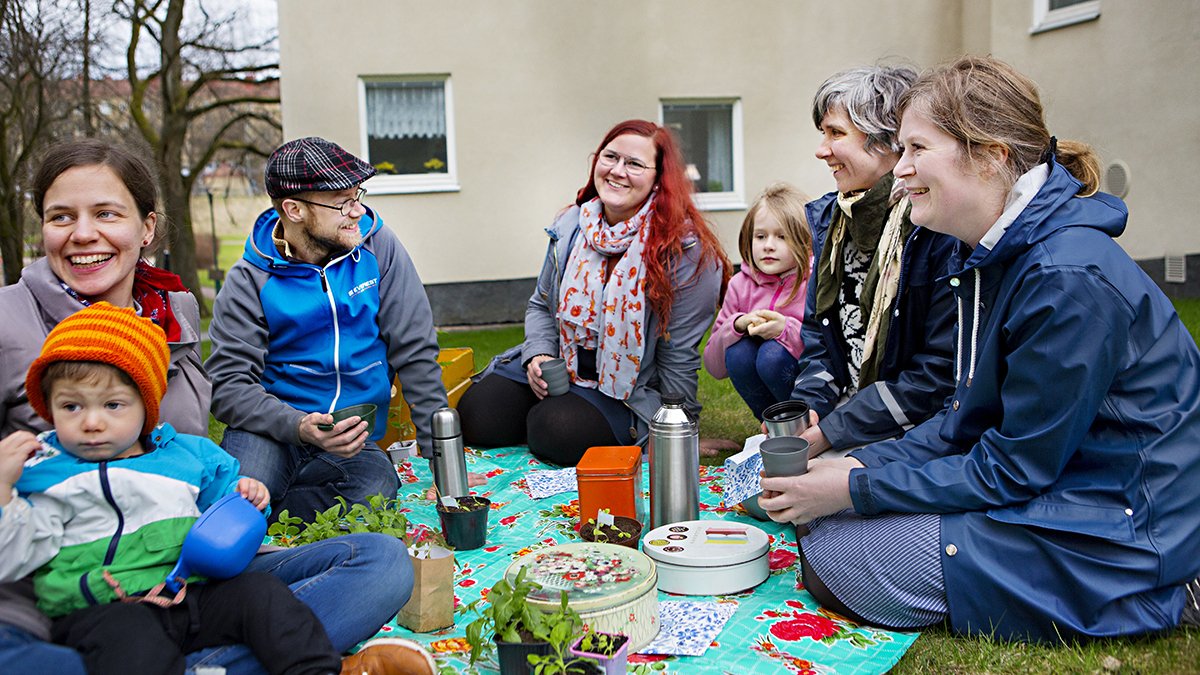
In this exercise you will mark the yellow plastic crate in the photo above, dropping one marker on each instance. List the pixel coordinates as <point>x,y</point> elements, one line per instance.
<point>457,365</point>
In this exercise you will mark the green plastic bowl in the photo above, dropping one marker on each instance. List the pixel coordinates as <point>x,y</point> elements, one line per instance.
<point>364,410</point>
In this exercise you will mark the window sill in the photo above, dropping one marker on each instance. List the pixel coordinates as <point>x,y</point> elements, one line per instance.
<point>719,201</point>
<point>1067,16</point>
<point>412,184</point>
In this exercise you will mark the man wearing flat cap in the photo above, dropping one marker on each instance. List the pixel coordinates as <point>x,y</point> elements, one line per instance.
<point>323,308</point>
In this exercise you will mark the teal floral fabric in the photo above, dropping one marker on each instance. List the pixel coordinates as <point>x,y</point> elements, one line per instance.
<point>776,628</point>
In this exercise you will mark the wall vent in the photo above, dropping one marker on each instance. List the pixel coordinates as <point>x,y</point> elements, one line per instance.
<point>1175,269</point>
<point>1116,179</point>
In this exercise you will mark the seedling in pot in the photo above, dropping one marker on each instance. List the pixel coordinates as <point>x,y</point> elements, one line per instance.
<point>509,618</point>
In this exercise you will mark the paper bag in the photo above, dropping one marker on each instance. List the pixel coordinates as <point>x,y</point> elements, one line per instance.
<point>431,606</point>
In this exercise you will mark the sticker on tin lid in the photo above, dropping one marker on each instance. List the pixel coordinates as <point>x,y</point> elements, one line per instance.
<point>705,543</point>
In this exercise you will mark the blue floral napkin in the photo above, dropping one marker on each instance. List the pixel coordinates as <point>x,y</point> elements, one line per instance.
<point>688,627</point>
<point>547,483</point>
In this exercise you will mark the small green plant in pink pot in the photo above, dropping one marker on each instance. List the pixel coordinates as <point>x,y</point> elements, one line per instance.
<point>608,650</point>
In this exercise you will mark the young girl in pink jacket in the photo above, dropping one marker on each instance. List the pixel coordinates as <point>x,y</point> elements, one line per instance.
<point>756,338</point>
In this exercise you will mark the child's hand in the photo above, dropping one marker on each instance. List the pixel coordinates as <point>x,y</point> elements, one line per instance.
<point>15,448</point>
<point>744,323</point>
<point>255,492</point>
<point>770,324</point>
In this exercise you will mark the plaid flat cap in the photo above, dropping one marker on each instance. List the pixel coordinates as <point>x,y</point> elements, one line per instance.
<point>313,164</point>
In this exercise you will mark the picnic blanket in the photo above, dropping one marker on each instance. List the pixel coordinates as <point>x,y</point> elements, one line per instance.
<point>776,628</point>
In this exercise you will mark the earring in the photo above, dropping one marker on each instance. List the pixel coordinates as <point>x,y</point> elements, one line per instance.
<point>145,243</point>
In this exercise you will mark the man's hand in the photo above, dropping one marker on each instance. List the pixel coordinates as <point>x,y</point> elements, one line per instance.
<point>533,372</point>
<point>255,492</point>
<point>15,448</point>
<point>345,439</point>
<point>769,325</point>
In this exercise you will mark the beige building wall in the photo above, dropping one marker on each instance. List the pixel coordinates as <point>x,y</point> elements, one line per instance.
<point>1129,84</point>
<point>536,83</point>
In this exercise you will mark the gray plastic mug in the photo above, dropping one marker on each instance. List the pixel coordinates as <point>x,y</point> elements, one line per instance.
<point>786,418</point>
<point>554,373</point>
<point>784,456</point>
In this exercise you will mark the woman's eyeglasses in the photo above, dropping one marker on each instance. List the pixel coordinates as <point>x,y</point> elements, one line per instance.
<point>347,206</point>
<point>633,166</point>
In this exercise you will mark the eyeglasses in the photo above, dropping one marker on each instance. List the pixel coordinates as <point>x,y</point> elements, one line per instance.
<point>345,207</point>
<point>633,166</point>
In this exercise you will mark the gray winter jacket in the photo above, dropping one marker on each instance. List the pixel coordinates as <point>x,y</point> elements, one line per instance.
<point>36,303</point>
<point>670,363</point>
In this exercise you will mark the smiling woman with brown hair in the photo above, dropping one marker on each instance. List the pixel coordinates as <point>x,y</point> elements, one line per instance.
<point>97,204</point>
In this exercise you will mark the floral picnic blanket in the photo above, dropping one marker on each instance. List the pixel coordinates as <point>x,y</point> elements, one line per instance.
<point>776,628</point>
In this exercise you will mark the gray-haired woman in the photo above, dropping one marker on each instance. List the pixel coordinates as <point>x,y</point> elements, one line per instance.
<point>877,332</point>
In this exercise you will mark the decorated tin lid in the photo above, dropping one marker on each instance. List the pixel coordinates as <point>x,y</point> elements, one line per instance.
<point>594,575</point>
<point>705,543</point>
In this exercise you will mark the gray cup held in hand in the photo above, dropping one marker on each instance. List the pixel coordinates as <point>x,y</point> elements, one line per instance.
<point>554,374</point>
<point>784,456</point>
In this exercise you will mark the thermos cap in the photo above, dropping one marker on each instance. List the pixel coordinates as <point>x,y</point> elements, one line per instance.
<point>445,423</point>
<point>673,399</point>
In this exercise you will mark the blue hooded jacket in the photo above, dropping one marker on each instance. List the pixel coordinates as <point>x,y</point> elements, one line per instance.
<point>1064,464</point>
<point>291,338</point>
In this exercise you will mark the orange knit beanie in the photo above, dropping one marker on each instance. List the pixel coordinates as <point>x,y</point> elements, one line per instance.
<point>107,334</point>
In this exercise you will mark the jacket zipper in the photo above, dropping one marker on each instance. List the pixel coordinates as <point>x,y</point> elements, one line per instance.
<point>337,339</point>
<point>111,553</point>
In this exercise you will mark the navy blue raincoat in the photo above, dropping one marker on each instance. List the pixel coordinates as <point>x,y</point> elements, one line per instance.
<point>1066,465</point>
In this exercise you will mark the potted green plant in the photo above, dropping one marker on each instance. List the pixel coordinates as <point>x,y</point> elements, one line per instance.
<point>379,514</point>
<point>520,631</point>
<point>624,531</point>
<point>464,521</point>
<point>609,651</point>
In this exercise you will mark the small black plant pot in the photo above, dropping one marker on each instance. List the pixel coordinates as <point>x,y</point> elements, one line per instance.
<point>512,656</point>
<point>465,527</point>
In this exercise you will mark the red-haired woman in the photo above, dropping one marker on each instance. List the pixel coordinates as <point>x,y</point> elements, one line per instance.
<point>631,281</point>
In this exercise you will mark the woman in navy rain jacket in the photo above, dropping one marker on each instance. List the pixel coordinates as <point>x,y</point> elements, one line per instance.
<point>1054,497</point>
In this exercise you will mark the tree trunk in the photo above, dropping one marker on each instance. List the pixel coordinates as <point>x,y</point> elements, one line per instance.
<point>177,208</point>
<point>12,237</point>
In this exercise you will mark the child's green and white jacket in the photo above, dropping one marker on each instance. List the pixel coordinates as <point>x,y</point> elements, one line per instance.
<point>74,519</point>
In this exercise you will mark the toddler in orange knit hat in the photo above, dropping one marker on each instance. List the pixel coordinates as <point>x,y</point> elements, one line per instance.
<point>98,509</point>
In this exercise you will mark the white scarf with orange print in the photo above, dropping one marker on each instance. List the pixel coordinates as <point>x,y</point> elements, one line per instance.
<point>608,317</point>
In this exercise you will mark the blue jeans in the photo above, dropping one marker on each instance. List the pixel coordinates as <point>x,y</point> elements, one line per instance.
<point>21,652</point>
<point>354,584</point>
<point>762,371</point>
<point>305,480</point>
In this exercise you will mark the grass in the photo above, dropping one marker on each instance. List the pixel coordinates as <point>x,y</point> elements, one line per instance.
<point>937,650</point>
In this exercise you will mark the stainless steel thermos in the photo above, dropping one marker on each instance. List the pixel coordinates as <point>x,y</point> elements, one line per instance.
<point>449,459</point>
<point>674,463</point>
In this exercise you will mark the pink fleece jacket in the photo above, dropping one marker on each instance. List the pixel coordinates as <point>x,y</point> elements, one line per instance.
<point>750,290</point>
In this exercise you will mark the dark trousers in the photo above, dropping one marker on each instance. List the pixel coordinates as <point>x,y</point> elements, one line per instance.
<point>497,412</point>
<point>254,609</point>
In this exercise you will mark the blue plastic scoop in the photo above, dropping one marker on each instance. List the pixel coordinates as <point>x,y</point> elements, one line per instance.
<point>221,542</point>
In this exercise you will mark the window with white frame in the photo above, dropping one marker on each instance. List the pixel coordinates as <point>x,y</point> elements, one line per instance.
<point>1051,14</point>
<point>710,133</point>
<point>408,133</point>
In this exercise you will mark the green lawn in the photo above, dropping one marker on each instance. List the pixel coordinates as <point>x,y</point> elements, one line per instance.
<point>937,651</point>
